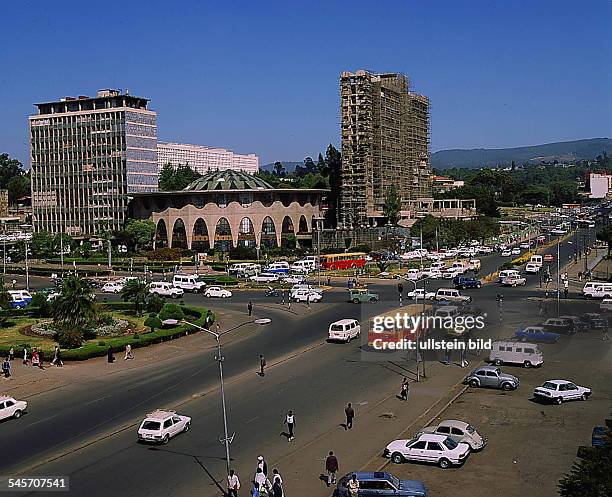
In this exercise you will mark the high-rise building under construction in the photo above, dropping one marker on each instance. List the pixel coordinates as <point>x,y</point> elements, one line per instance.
<point>385,141</point>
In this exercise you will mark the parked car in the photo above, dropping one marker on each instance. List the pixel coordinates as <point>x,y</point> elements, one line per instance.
<point>265,277</point>
<point>492,377</point>
<point>549,257</point>
<point>579,324</point>
<point>380,483</point>
<point>165,289</point>
<point>599,436</point>
<point>536,334</point>
<point>358,295</point>
<point>112,287</point>
<point>463,282</point>
<point>217,291</point>
<point>514,280</point>
<point>606,305</point>
<point>161,425</point>
<point>344,330</point>
<point>594,321</point>
<point>558,325</point>
<point>460,432</point>
<point>511,352</point>
<point>470,310</point>
<point>11,408</point>
<point>559,391</point>
<point>426,447</point>
<point>420,294</point>
<point>516,251</point>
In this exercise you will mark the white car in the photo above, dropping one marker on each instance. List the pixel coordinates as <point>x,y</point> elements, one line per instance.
<point>165,289</point>
<point>306,296</point>
<point>606,305</point>
<point>514,280</point>
<point>344,330</point>
<point>11,408</point>
<point>421,294</point>
<point>559,391</point>
<point>161,425</point>
<point>485,250</point>
<point>532,268</point>
<point>506,253</point>
<point>217,291</point>
<point>265,277</point>
<point>414,274</point>
<point>112,287</point>
<point>439,449</point>
<point>460,432</point>
<point>524,245</point>
<point>293,279</point>
<point>516,251</point>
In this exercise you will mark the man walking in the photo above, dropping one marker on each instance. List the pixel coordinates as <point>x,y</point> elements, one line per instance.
<point>262,464</point>
<point>565,287</point>
<point>262,365</point>
<point>250,308</point>
<point>57,360</point>
<point>128,352</point>
<point>353,486</point>
<point>331,466</point>
<point>11,354</point>
<point>290,421</point>
<point>233,484</point>
<point>404,389</point>
<point>6,367</point>
<point>25,356</point>
<point>350,415</point>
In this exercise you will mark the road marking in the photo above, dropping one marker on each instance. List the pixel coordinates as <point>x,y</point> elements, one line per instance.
<point>251,420</point>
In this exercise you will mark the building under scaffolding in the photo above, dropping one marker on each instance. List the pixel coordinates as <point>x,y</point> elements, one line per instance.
<point>385,141</point>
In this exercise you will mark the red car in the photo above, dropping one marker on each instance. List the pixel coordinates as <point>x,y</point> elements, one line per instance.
<point>549,258</point>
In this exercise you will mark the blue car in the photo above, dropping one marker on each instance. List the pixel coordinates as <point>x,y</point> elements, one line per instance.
<point>463,282</point>
<point>380,484</point>
<point>536,334</point>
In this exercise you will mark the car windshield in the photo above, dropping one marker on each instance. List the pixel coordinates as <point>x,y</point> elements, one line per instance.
<point>151,425</point>
<point>394,481</point>
<point>549,385</point>
<point>337,327</point>
<point>470,429</point>
<point>450,443</point>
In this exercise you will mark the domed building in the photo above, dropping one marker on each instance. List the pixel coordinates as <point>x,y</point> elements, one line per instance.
<point>225,209</point>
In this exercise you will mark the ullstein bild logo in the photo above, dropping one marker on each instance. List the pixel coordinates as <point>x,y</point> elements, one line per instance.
<point>400,331</point>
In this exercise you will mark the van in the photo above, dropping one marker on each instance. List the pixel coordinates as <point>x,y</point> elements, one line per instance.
<point>459,267</point>
<point>278,267</point>
<point>188,282</point>
<point>448,311</point>
<point>344,330</point>
<point>597,290</point>
<point>536,259</point>
<point>301,266</point>
<point>507,273</point>
<point>512,352</point>
<point>451,295</point>
<point>244,269</point>
<point>474,264</point>
<point>21,295</point>
<point>532,268</point>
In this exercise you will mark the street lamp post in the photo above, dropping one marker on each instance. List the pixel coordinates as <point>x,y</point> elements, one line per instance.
<point>27,272</point>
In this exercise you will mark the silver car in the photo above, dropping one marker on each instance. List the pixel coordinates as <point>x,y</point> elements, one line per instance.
<point>491,377</point>
<point>460,432</point>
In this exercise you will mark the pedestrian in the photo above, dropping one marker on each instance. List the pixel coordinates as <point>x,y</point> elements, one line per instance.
<point>262,480</point>
<point>262,464</point>
<point>579,275</point>
<point>233,484</point>
<point>290,421</point>
<point>25,356</point>
<point>464,361</point>
<point>250,308</point>
<point>604,335</point>
<point>128,352</point>
<point>329,281</point>
<point>14,282</point>
<point>350,415</point>
<point>565,287</point>
<point>6,367</point>
<point>540,308</point>
<point>348,284</point>
<point>277,488</point>
<point>447,354</point>
<point>109,355</point>
<point>56,357</point>
<point>308,300</point>
<point>255,490</point>
<point>404,389</point>
<point>11,354</point>
<point>218,328</point>
<point>331,466</point>
<point>35,359</point>
<point>41,360</point>
<point>289,303</point>
<point>353,486</point>
<point>262,365</point>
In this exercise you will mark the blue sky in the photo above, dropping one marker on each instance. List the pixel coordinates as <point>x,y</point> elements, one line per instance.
<point>262,76</point>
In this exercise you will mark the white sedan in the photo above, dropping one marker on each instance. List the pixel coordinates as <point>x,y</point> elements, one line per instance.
<point>506,253</point>
<point>514,281</point>
<point>217,291</point>
<point>439,449</point>
<point>559,391</point>
<point>516,251</point>
<point>421,294</point>
<point>161,425</point>
<point>112,287</point>
<point>265,277</point>
<point>11,408</point>
<point>293,279</point>
<point>306,296</point>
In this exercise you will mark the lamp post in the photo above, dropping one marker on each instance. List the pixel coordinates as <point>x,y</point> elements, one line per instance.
<point>219,358</point>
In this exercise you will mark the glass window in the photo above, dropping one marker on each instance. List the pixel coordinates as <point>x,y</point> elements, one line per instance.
<point>450,443</point>
<point>456,431</point>
<point>9,403</point>
<point>443,429</point>
<point>418,445</point>
<point>168,423</point>
<point>151,425</point>
<point>434,446</point>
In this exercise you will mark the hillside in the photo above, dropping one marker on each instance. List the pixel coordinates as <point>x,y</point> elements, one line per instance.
<point>561,151</point>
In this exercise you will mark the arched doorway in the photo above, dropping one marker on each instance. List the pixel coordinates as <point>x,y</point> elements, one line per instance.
<point>288,233</point>
<point>223,235</point>
<point>268,233</point>
<point>246,233</point>
<point>161,235</point>
<point>179,235</point>
<point>200,241</point>
<point>303,229</point>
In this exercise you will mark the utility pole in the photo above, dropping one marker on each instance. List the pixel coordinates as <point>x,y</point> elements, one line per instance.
<point>558,276</point>
<point>110,255</point>
<point>319,252</point>
<point>27,272</point>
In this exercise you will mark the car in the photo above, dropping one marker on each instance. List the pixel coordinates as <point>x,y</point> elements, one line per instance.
<point>536,334</point>
<point>559,391</point>
<point>306,296</point>
<point>594,321</point>
<point>491,377</point>
<point>524,245</point>
<point>427,447</point>
<point>112,287</point>
<point>217,291</point>
<point>189,282</point>
<point>532,268</point>
<point>559,325</point>
<point>599,435</point>
<point>452,295</point>
<point>514,280</point>
<point>506,253</point>
<point>579,324</point>
<point>516,251</point>
<point>414,274</point>
<point>549,257</point>
<point>11,407</point>
<point>606,305</point>
<point>161,425</point>
<point>380,483</point>
<point>470,310</point>
<point>464,282</point>
<point>265,278</point>
<point>460,432</point>
<point>358,295</point>
<point>165,289</point>
<point>420,294</point>
<point>344,330</point>
<point>293,279</point>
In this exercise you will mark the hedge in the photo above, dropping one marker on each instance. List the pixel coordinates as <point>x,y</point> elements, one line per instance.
<point>118,344</point>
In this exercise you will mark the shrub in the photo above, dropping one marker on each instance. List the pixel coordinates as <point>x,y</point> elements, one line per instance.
<point>39,301</point>
<point>153,322</point>
<point>70,338</point>
<point>136,336</point>
<point>155,303</point>
<point>101,343</point>
<point>106,319</point>
<point>165,254</point>
<point>171,311</point>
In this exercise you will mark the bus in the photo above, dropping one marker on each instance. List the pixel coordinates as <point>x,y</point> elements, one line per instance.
<point>352,260</point>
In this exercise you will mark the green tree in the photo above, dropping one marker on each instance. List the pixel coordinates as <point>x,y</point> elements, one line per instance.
<point>74,308</point>
<point>393,204</point>
<point>137,292</point>
<point>590,475</point>
<point>171,311</point>
<point>279,169</point>
<point>176,178</point>
<point>153,322</point>
<point>139,233</point>
<point>605,235</point>
<point>13,178</point>
<point>155,303</point>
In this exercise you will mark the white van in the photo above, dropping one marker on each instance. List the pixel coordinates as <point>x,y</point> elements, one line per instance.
<point>165,289</point>
<point>532,268</point>
<point>451,295</point>
<point>278,267</point>
<point>474,264</point>
<point>244,269</point>
<point>597,290</point>
<point>20,295</point>
<point>301,266</point>
<point>344,330</point>
<point>459,267</point>
<point>512,352</point>
<point>448,311</point>
<point>188,282</point>
<point>507,273</point>
<point>536,259</point>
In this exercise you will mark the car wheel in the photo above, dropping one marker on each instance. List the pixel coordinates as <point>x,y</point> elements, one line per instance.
<point>559,400</point>
<point>397,458</point>
<point>474,383</point>
<point>175,296</point>
<point>584,396</point>
<point>497,362</point>
<point>478,285</point>
<point>527,364</point>
<point>373,299</point>
<point>355,301</point>
<point>166,439</point>
<point>17,414</point>
<point>444,463</point>
<point>223,296</point>
<point>187,426</point>
<point>506,386</point>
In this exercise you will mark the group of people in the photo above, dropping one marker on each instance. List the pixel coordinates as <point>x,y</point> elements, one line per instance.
<point>37,359</point>
<point>262,486</point>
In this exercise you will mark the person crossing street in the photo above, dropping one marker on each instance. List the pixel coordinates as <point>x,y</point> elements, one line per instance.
<point>290,421</point>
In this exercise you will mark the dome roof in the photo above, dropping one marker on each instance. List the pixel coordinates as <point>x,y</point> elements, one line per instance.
<point>228,180</point>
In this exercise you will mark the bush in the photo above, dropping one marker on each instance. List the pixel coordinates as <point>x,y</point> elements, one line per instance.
<point>70,339</point>
<point>155,303</point>
<point>171,311</point>
<point>165,254</point>
<point>40,303</point>
<point>101,343</point>
<point>153,322</point>
<point>106,319</point>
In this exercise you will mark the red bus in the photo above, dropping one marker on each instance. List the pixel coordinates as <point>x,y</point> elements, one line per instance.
<point>343,261</point>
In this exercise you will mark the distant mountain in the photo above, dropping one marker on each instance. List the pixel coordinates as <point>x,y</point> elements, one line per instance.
<point>488,157</point>
<point>289,166</point>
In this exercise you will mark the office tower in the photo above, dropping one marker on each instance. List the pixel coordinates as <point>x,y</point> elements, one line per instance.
<point>205,159</point>
<point>87,155</point>
<point>385,141</point>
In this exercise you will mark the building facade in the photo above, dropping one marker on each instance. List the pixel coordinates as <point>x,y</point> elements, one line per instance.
<point>225,209</point>
<point>600,185</point>
<point>87,156</point>
<point>385,141</point>
<point>205,159</point>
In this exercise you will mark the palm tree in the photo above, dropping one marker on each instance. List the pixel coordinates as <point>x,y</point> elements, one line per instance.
<point>136,292</point>
<point>75,306</point>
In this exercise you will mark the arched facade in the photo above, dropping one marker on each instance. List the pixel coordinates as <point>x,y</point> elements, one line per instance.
<point>179,234</point>
<point>200,240</point>
<point>161,235</point>
<point>246,233</point>
<point>223,235</point>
